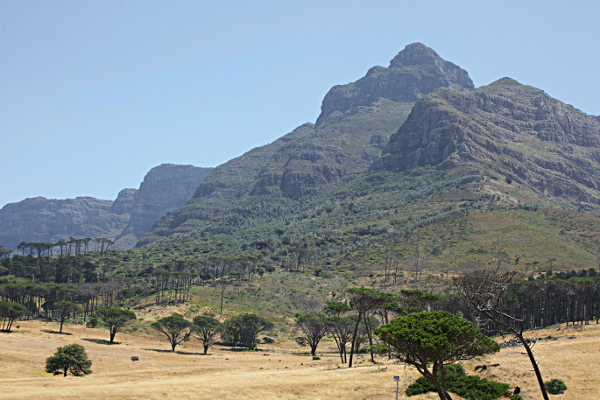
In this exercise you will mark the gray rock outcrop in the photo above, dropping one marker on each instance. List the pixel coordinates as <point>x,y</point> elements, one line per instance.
<point>45,220</point>
<point>517,130</point>
<point>414,72</point>
<point>124,220</point>
<point>164,188</point>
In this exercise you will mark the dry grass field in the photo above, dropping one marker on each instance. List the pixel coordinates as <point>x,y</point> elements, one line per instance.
<point>280,371</point>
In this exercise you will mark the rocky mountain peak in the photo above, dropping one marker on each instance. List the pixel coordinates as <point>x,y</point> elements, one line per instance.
<point>414,72</point>
<point>516,130</point>
<point>416,54</point>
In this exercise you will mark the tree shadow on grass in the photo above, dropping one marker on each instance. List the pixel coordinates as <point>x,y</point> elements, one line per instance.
<point>55,332</point>
<point>187,353</point>
<point>100,341</point>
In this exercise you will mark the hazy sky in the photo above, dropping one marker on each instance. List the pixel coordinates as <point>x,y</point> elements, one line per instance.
<point>93,94</point>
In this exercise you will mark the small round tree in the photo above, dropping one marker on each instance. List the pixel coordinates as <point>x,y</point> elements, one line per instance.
<point>176,328</point>
<point>243,329</point>
<point>555,386</point>
<point>71,358</point>
<point>114,318</point>
<point>207,329</point>
<point>429,340</point>
<point>9,312</point>
<point>65,310</point>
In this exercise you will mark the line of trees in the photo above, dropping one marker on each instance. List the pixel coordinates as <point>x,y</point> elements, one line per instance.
<point>43,300</point>
<point>66,246</point>
<point>241,330</point>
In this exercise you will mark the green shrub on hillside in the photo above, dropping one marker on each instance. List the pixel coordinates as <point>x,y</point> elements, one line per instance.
<point>457,381</point>
<point>555,386</point>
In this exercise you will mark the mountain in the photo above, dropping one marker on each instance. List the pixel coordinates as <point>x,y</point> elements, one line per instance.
<point>414,72</point>
<point>46,220</point>
<point>355,124</point>
<point>515,130</point>
<point>413,163</point>
<point>163,189</point>
<point>125,220</point>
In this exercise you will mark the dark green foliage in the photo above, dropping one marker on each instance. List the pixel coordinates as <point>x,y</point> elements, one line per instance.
<point>71,358</point>
<point>420,386</point>
<point>176,328</point>
<point>10,311</point>
<point>114,318</point>
<point>476,388</point>
<point>64,310</point>
<point>243,330</point>
<point>92,322</point>
<point>555,386</point>
<point>469,387</point>
<point>516,397</point>
<point>206,329</point>
<point>428,340</point>
<point>314,328</point>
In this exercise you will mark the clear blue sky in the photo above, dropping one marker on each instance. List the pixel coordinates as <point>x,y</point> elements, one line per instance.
<point>95,93</point>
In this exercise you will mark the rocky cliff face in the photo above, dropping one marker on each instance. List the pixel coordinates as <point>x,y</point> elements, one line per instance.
<point>517,130</point>
<point>125,220</point>
<point>124,202</point>
<point>163,189</point>
<point>43,220</point>
<point>414,72</point>
<point>356,121</point>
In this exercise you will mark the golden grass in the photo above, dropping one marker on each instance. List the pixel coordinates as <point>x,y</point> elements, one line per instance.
<point>283,371</point>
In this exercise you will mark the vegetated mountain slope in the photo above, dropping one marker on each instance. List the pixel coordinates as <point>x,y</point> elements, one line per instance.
<point>512,129</point>
<point>125,220</point>
<point>505,151</point>
<point>274,181</point>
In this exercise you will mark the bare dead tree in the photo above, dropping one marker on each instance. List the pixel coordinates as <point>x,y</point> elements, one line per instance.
<point>487,292</point>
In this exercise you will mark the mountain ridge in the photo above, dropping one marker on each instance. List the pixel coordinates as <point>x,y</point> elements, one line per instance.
<point>123,220</point>
<point>348,136</point>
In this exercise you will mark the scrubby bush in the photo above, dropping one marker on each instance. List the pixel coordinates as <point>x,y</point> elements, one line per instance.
<point>555,386</point>
<point>476,388</point>
<point>92,322</point>
<point>457,381</point>
<point>422,385</point>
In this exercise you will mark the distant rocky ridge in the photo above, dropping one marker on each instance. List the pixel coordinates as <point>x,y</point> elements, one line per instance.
<point>46,220</point>
<point>124,220</point>
<point>516,130</point>
<point>164,188</point>
<point>355,124</point>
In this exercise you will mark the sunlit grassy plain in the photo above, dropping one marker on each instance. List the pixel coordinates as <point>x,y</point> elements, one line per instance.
<point>281,370</point>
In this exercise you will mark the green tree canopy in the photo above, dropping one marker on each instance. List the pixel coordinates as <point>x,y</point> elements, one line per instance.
<point>338,326</point>
<point>114,318</point>
<point>64,310</point>
<point>206,329</point>
<point>365,301</point>
<point>71,358</point>
<point>314,328</point>
<point>428,340</point>
<point>10,311</point>
<point>243,329</point>
<point>176,328</point>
